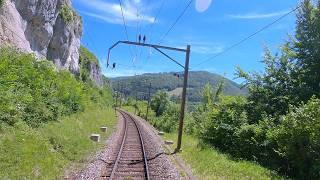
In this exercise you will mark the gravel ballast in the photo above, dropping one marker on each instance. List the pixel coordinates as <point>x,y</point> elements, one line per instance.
<point>160,166</point>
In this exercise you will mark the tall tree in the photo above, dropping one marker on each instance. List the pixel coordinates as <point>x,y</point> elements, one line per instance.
<point>307,49</point>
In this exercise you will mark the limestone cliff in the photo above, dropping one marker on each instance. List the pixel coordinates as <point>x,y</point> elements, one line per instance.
<point>48,28</point>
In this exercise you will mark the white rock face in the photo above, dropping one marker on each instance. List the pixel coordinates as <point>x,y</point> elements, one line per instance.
<point>36,26</point>
<point>96,75</point>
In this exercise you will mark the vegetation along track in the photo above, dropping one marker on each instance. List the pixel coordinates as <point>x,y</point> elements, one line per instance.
<point>130,160</point>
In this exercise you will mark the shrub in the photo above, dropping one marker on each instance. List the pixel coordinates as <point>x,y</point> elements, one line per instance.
<point>298,140</point>
<point>168,122</point>
<point>160,102</point>
<point>33,91</point>
<point>222,122</point>
<point>1,3</point>
<point>67,13</point>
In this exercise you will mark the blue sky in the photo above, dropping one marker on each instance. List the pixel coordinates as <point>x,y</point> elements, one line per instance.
<point>208,26</point>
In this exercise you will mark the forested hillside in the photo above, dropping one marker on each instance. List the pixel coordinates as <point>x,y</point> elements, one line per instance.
<point>138,85</point>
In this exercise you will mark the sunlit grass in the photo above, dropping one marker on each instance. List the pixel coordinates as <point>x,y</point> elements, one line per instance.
<point>45,152</point>
<point>207,163</point>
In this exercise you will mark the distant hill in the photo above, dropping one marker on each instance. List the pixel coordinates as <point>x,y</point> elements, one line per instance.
<point>138,85</point>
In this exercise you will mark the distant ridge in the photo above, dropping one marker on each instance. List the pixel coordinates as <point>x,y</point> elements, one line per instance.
<point>138,85</point>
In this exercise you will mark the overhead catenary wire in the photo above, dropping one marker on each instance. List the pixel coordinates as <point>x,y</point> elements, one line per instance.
<point>150,30</point>
<point>125,24</point>
<point>123,20</point>
<point>176,21</point>
<point>248,37</point>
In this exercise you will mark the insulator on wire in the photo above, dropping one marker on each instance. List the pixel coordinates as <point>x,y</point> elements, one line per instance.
<point>113,65</point>
<point>144,39</point>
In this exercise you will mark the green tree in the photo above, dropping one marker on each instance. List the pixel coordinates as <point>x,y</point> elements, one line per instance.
<point>159,102</point>
<point>272,91</point>
<point>306,45</point>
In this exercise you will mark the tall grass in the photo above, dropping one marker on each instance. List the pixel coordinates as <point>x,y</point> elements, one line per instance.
<point>207,163</point>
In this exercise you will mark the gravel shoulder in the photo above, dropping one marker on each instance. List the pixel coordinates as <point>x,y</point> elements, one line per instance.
<point>97,162</point>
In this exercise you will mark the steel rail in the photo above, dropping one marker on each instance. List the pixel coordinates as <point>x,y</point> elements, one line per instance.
<point>121,148</point>
<point>145,159</point>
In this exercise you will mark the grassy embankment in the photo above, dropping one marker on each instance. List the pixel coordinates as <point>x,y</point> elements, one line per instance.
<point>44,152</point>
<point>207,163</point>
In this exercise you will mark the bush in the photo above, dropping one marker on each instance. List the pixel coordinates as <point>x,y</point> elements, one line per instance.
<point>67,13</point>
<point>222,122</point>
<point>298,140</point>
<point>35,92</point>
<point>160,102</point>
<point>168,122</point>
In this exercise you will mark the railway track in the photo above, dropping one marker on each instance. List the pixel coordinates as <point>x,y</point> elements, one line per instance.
<point>130,159</point>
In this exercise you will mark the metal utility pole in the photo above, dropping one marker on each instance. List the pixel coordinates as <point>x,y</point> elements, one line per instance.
<point>149,99</point>
<point>185,78</point>
<point>184,95</point>
<point>120,97</point>
<point>135,107</point>
<point>115,106</point>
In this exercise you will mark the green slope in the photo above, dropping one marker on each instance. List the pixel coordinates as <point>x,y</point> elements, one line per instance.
<point>138,85</point>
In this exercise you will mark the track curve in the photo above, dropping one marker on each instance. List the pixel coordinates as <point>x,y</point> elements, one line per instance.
<point>131,159</point>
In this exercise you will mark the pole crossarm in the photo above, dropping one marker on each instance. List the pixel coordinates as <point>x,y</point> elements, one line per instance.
<point>169,57</point>
<point>156,47</point>
<point>185,80</point>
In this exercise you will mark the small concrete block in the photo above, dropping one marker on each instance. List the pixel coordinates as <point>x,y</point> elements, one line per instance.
<point>160,133</point>
<point>104,129</point>
<point>168,142</point>
<point>95,137</point>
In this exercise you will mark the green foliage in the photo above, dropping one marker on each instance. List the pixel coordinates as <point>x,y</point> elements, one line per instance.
<point>208,163</point>
<point>1,3</point>
<point>298,140</point>
<point>160,102</point>
<point>271,92</point>
<point>278,125</point>
<point>86,55</point>
<point>67,13</point>
<point>291,77</point>
<point>168,122</point>
<point>34,92</point>
<point>220,124</point>
<point>306,45</point>
<point>170,83</point>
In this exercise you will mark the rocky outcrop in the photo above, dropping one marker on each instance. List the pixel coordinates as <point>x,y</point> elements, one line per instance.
<point>90,69</point>
<point>95,74</point>
<point>37,26</point>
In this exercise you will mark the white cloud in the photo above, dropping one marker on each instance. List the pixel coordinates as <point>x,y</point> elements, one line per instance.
<point>111,12</point>
<point>201,47</point>
<point>257,15</point>
<point>207,49</point>
<point>123,72</point>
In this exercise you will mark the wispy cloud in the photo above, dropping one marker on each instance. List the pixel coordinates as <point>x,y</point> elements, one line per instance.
<point>123,72</point>
<point>202,47</point>
<point>207,49</point>
<point>111,12</point>
<point>257,15</point>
